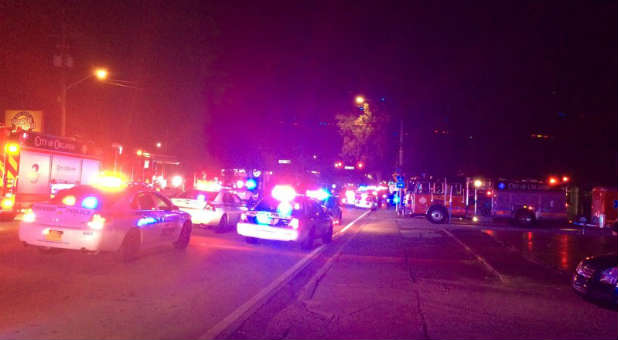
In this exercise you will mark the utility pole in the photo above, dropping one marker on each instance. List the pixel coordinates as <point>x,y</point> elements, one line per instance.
<point>401,144</point>
<point>63,61</point>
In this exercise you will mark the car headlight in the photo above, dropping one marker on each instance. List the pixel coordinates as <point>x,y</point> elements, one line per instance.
<point>609,276</point>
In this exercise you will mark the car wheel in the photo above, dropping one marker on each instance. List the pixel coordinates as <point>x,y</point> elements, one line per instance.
<point>223,223</point>
<point>251,240</point>
<point>130,246</point>
<point>307,243</point>
<point>328,236</point>
<point>437,215</point>
<point>184,237</point>
<point>524,217</point>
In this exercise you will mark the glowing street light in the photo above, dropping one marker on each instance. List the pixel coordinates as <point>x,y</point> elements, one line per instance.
<point>159,145</point>
<point>478,183</point>
<point>101,73</point>
<point>360,99</point>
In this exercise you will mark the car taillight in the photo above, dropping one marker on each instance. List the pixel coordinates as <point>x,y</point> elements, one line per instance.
<point>294,223</point>
<point>29,216</point>
<point>97,222</point>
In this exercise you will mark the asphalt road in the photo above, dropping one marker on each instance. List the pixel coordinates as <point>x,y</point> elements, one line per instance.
<point>385,277</point>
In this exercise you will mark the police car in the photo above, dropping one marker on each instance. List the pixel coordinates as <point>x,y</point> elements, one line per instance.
<point>287,216</point>
<point>90,219</point>
<point>220,208</point>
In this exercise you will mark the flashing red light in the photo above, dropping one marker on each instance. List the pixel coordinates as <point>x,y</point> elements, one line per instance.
<point>565,179</point>
<point>360,165</point>
<point>489,193</point>
<point>553,181</point>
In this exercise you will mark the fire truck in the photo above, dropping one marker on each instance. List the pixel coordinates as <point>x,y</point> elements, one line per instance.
<point>522,201</point>
<point>35,166</point>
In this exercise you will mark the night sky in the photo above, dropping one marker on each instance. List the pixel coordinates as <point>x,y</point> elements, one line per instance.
<point>241,84</point>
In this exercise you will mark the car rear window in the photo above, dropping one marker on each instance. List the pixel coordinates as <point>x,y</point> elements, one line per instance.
<point>85,197</point>
<point>194,194</point>
<point>271,205</point>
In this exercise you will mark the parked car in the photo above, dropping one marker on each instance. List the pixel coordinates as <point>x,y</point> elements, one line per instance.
<point>90,219</point>
<point>302,220</point>
<point>596,277</point>
<point>221,209</point>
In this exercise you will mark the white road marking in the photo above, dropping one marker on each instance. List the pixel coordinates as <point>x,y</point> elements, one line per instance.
<point>478,257</point>
<point>229,324</point>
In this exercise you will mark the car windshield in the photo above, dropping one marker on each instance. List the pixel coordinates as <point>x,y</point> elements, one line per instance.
<point>195,194</point>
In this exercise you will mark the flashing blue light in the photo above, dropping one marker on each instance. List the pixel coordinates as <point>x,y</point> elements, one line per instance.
<point>501,186</point>
<point>284,209</point>
<point>251,184</point>
<point>319,194</point>
<point>90,202</point>
<point>146,221</point>
<point>263,218</point>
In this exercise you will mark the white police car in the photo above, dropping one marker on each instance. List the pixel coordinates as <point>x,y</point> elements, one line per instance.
<point>90,219</point>
<point>221,208</point>
<point>287,216</point>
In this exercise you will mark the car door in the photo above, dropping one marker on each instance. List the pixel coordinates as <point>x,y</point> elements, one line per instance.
<point>317,216</point>
<point>170,222</point>
<point>232,207</point>
<point>147,217</point>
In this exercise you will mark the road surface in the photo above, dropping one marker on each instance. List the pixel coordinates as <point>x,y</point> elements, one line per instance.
<point>384,277</point>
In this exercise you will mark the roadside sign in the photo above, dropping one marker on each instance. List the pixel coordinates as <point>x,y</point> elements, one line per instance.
<point>401,185</point>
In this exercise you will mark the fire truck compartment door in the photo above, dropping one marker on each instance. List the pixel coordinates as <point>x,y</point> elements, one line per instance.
<point>33,173</point>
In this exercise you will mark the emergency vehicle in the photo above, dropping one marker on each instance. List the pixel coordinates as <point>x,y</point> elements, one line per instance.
<point>287,216</point>
<point>108,216</point>
<point>35,166</point>
<point>523,201</point>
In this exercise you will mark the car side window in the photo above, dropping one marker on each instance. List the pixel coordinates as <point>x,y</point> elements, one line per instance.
<point>143,201</point>
<point>227,198</point>
<point>161,203</point>
<point>237,200</point>
<point>314,209</point>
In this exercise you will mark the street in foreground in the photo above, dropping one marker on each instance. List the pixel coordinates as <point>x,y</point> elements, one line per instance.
<point>384,277</point>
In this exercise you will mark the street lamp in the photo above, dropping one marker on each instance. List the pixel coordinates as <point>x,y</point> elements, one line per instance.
<point>159,145</point>
<point>99,73</point>
<point>360,99</point>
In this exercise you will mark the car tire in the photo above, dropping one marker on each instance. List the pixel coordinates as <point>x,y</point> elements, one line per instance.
<point>184,237</point>
<point>223,224</point>
<point>307,243</point>
<point>437,215</point>
<point>328,236</point>
<point>130,246</point>
<point>524,218</point>
<point>251,240</point>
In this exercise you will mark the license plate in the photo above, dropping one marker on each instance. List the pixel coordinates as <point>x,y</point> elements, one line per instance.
<point>54,235</point>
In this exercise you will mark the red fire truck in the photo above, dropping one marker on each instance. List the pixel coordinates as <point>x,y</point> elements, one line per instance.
<point>35,166</point>
<point>523,201</point>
